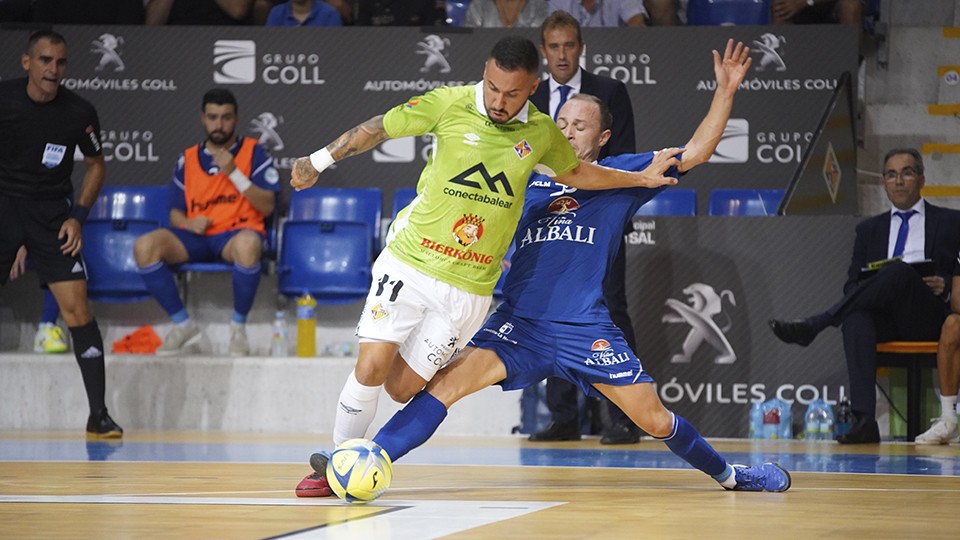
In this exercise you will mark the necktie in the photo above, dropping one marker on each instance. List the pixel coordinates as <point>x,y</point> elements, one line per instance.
<point>564,92</point>
<point>902,233</point>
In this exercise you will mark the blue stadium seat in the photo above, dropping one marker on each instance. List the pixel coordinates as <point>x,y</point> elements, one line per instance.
<point>120,215</point>
<point>728,12</point>
<point>745,202</point>
<point>330,259</point>
<point>358,205</point>
<point>401,198</point>
<point>457,11</point>
<point>671,202</point>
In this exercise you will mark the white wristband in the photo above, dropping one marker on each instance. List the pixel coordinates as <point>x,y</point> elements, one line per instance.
<point>321,159</point>
<point>240,180</point>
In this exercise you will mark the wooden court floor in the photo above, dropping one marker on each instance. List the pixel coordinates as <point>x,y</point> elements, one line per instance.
<point>183,485</point>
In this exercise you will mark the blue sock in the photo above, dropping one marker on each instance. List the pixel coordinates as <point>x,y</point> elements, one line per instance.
<point>50,309</point>
<point>685,442</point>
<point>159,281</point>
<point>411,426</point>
<point>245,282</point>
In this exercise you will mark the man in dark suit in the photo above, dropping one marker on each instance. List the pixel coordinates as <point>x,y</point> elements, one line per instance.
<point>898,302</point>
<point>562,45</point>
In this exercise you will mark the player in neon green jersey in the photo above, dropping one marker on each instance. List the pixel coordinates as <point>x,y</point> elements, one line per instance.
<point>432,286</point>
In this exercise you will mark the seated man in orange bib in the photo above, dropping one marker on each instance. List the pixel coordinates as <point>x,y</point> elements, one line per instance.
<point>221,191</point>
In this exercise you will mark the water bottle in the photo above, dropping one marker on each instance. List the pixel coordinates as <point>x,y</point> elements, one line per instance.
<point>771,420</point>
<point>306,325</point>
<point>756,420</point>
<point>818,422</point>
<point>844,417</point>
<point>278,345</point>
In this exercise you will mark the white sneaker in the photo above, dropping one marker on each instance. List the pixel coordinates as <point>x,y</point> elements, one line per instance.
<point>49,339</point>
<point>179,338</point>
<point>941,432</point>
<point>239,346</point>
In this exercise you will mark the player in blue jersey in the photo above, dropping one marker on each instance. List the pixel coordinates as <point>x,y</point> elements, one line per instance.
<point>553,321</point>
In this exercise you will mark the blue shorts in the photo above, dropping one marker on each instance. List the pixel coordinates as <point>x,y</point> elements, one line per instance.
<point>202,248</point>
<point>582,353</point>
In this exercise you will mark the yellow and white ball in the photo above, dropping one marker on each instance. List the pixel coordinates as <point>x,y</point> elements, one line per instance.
<point>359,471</point>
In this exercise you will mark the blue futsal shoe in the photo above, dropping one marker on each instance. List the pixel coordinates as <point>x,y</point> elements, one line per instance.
<point>765,477</point>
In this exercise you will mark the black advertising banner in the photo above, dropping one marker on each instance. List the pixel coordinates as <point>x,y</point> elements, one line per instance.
<point>700,291</point>
<point>299,88</point>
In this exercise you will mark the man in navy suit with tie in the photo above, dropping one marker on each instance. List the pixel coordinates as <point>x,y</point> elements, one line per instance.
<point>896,303</point>
<point>562,45</point>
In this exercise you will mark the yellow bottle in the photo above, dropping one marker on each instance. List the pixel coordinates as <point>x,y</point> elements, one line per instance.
<point>306,325</point>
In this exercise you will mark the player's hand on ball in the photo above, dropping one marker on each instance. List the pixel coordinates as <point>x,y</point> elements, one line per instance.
<point>303,174</point>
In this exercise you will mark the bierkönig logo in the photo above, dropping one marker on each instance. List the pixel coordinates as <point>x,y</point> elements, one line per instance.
<point>108,51</point>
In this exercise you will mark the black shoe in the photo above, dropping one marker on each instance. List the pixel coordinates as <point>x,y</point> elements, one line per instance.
<point>798,331</point>
<point>558,432</point>
<point>864,431</point>
<point>101,426</point>
<point>621,434</point>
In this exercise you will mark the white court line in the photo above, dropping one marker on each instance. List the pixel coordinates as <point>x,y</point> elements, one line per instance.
<point>402,520</point>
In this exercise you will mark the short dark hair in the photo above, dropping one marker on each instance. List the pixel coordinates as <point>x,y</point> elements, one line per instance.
<point>219,96</point>
<point>560,19</point>
<point>515,52</point>
<point>917,158</point>
<point>606,118</point>
<point>55,38</point>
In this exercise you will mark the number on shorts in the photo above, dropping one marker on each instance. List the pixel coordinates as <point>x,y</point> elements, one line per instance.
<point>385,280</point>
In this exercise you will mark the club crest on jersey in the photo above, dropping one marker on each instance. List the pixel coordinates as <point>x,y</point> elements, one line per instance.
<point>468,230</point>
<point>412,103</point>
<point>563,205</point>
<point>377,312</point>
<point>600,345</point>
<point>522,149</point>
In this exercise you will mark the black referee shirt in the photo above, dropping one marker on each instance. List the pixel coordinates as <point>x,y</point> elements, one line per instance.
<point>38,140</point>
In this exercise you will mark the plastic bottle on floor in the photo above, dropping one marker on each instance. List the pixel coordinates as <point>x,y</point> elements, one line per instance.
<point>306,326</point>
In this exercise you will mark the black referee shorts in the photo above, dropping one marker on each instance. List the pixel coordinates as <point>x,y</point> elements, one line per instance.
<point>36,225</point>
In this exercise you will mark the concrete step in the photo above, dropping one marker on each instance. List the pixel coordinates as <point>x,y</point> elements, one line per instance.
<point>214,393</point>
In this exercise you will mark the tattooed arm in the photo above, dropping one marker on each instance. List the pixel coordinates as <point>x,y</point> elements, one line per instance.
<point>355,141</point>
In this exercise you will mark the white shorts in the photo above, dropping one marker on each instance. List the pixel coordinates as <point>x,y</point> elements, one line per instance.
<point>430,319</point>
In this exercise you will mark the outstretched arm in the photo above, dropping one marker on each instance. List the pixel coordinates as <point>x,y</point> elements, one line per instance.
<point>729,71</point>
<point>593,177</point>
<point>358,140</point>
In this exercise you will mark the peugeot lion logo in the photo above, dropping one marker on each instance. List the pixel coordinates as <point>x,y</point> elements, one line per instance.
<point>703,303</point>
<point>767,46</point>
<point>265,127</point>
<point>432,46</point>
<point>106,46</point>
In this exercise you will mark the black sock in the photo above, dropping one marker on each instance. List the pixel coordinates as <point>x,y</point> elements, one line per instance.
<point>88,348</point>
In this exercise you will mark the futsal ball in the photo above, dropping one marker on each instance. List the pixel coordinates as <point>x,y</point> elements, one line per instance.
<point>359,471</point>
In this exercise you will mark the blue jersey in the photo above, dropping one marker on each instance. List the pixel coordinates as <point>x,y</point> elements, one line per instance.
<point>565,243</point>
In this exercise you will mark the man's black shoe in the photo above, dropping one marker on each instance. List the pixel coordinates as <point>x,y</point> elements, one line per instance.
<point>558,432</point>
<point>864,431</point>
<point>798,331</point>
<point>101,426</point>
<point>621,434</point>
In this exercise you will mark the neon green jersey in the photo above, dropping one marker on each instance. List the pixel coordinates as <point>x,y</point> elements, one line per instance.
<point>470,194</point>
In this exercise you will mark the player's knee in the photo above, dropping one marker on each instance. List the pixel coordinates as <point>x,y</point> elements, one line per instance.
<point>247,247</point>
<point>400,395</point>
<point>146,249</point>
<point>657,423</point>
<point>950,333</point>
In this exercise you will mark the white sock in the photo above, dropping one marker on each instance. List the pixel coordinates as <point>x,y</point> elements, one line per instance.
<point>355,410</point>
<point>948,408</point>
<point>731,481</point>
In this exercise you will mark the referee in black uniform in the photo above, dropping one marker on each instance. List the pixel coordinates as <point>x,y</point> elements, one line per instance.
<point>41,125</point>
